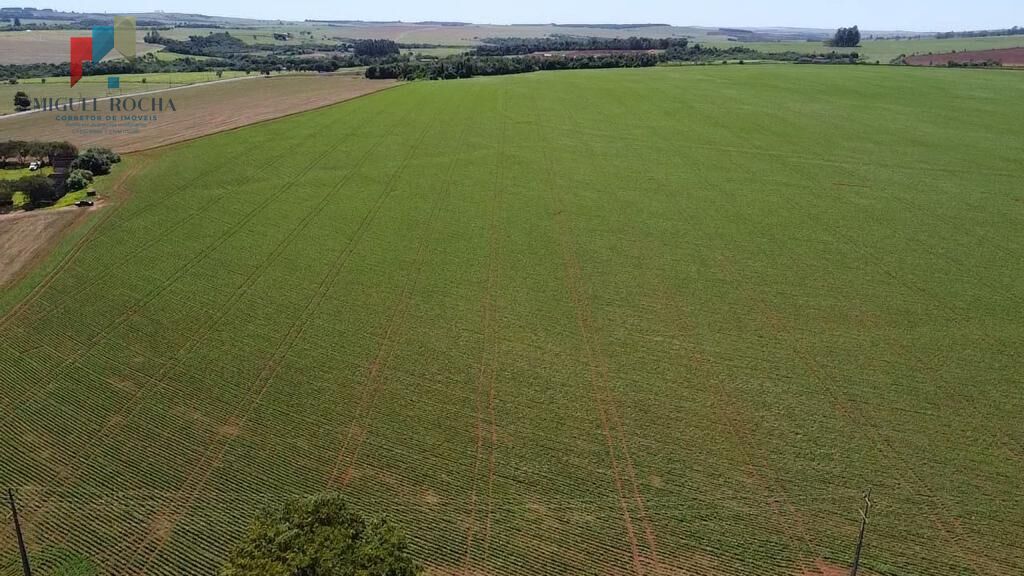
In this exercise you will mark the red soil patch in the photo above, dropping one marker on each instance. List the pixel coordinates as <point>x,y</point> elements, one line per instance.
<point>1005,56</point>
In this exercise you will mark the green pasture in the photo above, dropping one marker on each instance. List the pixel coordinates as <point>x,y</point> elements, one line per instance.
<point>19,173</point>
<point>658,321</point>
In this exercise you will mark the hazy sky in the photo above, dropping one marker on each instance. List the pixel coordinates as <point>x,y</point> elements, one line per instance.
<point>921,15</point>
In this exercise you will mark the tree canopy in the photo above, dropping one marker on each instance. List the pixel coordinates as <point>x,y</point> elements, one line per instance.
<point>846,38</point>
<point>96,160</point>
<point>376,48</point>
<point>21,102</point>
<point>320,536</point>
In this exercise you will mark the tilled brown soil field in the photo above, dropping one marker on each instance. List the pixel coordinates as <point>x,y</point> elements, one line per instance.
<point>199,110</point>
<point>30,47</point>
<point>27,236</point>
<point>1005,56</point>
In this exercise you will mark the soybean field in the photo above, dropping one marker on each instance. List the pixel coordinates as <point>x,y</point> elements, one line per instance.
<point>646,322</point>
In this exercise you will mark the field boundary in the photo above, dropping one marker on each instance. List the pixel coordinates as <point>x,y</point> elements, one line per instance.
<point>390,86</point>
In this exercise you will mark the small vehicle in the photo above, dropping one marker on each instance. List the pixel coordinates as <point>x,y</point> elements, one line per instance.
<point>84,203</point>
<point>34,166</point>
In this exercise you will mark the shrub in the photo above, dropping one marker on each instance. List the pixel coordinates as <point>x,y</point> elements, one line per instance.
<point>96,160</point>
<point>21,102</point>
<point>37,189</point>
<point>320,536</point>
<point>78,179</point>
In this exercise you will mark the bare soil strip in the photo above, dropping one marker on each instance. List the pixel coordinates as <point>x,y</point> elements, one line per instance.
<point>204,109</point>
<point>26,237</point>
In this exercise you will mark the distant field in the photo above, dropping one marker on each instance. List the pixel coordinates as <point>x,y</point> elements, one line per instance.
<point>206,109</point>
<point>49,46</point>
<point>880,50</point>
<point>96,86</point>
<point>650,322</point>
<point>886,50</point>
<point>423,34</point>
<point>163,55</point>
<point>1010,57</point>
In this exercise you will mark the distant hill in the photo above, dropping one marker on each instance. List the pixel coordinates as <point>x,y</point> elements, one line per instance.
<point>188,20</point>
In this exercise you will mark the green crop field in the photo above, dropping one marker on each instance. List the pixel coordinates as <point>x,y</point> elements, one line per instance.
<point>659,321</point>
<point>96,86</point>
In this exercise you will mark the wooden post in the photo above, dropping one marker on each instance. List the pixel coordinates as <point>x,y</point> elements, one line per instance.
<point>863,526</point>
<point>25,566</point>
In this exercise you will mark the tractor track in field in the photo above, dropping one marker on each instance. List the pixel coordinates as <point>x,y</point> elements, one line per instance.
<point>951,225</point>
<point>135,402</point>
<point>599,391</point>
<point>136,306</point>
<point>1011,447</point>
<point>955,541</point>
<point>850,413</point>
<point>131,408</point>
<point>30,514</point>
<point>216,450</point>
<point>912,286</point>
<point>954,536</point>
<point>609,414</point>
<point>348,455</point>
<point>152,295</point>
<point>733,417</point>
<point>118,200</point>
<point>69,258</point>
<point>156,238</point>
<point>485,392</point>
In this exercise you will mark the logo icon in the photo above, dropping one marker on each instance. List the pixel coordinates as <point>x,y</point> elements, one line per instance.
<point>120,37</point>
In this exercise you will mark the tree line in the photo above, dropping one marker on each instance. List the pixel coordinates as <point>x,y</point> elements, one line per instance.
<point>463,66</point>
<point>469,65</point>
<point>521,46</point>
<point>39,150</point>
<point>1015,31</point>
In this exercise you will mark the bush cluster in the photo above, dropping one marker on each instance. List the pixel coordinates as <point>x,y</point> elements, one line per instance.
<point>96,161</point>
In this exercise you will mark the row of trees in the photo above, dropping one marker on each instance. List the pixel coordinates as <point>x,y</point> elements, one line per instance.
<point>846,38</point>
<point>1015,31</point>
<point>23,150</point>
<point>145,64</point>
<point>468,66</point>
<point>520,46</point>
<point>465,66</point>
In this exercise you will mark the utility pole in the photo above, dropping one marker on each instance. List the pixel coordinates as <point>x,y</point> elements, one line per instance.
<point>863,525</point>
<point>25,566</point>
